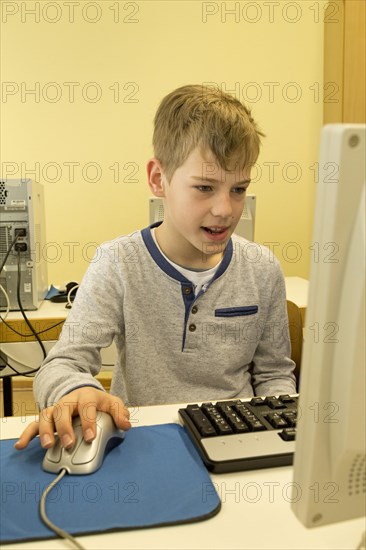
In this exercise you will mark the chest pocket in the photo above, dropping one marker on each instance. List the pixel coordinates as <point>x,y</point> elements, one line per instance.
<point>241,311</point>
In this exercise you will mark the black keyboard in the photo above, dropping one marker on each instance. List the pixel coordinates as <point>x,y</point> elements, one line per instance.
<point>243,434</point>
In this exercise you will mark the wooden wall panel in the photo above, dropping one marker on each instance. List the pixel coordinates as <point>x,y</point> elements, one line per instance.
<point>344,61</point>
<point>354,61</point>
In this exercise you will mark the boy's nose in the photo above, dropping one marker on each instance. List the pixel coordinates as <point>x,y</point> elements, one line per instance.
<point>222,206</point>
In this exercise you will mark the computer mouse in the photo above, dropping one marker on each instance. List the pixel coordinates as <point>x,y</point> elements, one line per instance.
<point>84,457</point>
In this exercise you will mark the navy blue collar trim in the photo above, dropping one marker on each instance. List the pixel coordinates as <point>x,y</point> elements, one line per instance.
<point>168,268</point>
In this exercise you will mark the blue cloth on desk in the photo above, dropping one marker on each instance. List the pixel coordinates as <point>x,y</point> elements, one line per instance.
<point>155,477</point>
<point>52,291</point>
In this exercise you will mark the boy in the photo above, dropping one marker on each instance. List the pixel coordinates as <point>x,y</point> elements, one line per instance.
<point>194,314</point>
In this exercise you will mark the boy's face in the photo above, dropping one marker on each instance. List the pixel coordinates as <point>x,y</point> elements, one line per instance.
<point>202,206</point>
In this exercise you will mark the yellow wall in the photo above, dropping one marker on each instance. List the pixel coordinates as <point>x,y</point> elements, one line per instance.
<point>131,54</point>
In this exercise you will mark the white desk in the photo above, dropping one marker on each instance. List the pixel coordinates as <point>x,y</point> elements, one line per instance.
<point>255,512</point>
<point>46,310</point>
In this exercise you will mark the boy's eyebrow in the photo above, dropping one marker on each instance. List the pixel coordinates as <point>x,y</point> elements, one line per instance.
<point>213,180</point>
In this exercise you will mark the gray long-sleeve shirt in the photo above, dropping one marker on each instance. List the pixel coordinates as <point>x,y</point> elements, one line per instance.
<point>231,340</point>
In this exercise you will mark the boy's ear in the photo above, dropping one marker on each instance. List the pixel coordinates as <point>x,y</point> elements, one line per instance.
<point>155,177</point>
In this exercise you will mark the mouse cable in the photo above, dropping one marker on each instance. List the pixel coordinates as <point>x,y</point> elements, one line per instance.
<point>42,510</point>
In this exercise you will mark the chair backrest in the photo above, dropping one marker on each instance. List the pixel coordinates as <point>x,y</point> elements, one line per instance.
<point>296,335</point>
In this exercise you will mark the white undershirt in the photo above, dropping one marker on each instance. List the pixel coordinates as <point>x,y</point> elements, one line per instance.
<point>199,278</point>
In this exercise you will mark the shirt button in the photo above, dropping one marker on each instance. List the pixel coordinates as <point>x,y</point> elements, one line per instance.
<point>187,290</point>
<point>192,327</point>
<point>194,309</point>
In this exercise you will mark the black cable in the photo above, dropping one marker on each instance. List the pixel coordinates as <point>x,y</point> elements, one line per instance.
<point>17,373</point>
<point>31,334</point>
<point>23,312</point>
<point>34,333</point>
<point>8,252</point>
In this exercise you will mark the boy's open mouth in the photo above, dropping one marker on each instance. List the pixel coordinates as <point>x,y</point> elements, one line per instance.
<point>216,234</point>
<point>215,230</point>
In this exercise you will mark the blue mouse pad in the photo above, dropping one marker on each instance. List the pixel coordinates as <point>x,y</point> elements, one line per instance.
<point>154,478</point>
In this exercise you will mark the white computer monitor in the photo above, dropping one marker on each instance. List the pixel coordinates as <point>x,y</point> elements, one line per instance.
<point>329,465</point>
<point>245,227</point>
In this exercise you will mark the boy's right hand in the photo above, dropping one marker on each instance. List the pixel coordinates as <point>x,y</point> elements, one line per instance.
<point>85,402</point>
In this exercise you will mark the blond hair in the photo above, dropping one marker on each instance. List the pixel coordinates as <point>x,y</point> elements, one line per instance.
<point>204,116</point>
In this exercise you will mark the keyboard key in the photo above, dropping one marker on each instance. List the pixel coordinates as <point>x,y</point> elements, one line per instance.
<point>243,410</point>
<point>288,434</point>
<point>231,403</point>
<point>274,403</point>
<point>276,421</point>
<point>209,409</point>
<point>216,419</point>
<point>253,423</point>
<point>256,401</point>
<point>222,427</point>
<point>290,417</point>
<point>232,417</point>
<point>224,408</point>
<point>206,430</point>
<point>287,399</point>
<point>201,421</point>
<point>256,426</point>
<point>237,424</point>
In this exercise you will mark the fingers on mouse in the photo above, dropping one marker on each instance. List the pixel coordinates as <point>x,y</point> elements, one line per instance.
<point>84,457</point>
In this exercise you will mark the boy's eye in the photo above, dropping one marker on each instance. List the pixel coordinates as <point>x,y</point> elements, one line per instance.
<point>239,190</point>
<point>208,188</point>
<point>204,188</point>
